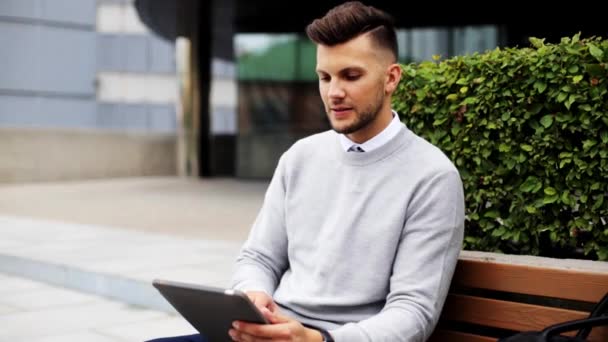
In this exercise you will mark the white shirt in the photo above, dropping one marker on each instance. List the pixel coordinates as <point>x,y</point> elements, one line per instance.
<point>380,139</point>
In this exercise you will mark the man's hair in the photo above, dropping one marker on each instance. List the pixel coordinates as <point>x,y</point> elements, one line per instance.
<point>351,19</point>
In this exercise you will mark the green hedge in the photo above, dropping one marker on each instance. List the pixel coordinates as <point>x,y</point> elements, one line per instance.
<point>528,130</point>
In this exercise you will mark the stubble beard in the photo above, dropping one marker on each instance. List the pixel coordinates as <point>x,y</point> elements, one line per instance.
<point>363,118</point>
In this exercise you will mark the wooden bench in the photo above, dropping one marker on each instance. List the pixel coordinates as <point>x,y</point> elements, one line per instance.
<point>494,295</point>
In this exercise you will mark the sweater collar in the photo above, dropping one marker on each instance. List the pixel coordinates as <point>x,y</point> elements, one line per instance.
<point>399,140</point>
<point>379,140</point>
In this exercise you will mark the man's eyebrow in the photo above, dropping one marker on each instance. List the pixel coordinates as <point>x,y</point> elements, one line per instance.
<point>352,68</point>
<point>343,71</point>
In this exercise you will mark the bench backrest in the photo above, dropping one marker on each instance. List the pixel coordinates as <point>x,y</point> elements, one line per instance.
<point>490,299</point>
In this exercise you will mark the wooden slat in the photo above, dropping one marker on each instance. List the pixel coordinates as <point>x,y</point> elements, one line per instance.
<point>551,282</point>
<point>505,315</point>
<point>456,336</point>
<point>599,334</point>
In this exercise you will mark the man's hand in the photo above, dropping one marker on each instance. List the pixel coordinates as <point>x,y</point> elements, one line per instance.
<point>262,300</point>
<point>281,328</point>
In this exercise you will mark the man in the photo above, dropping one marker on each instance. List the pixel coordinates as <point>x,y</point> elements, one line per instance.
<point>362,225</point>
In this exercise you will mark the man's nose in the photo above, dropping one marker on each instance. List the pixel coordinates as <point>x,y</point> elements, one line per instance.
<point>336,90</point>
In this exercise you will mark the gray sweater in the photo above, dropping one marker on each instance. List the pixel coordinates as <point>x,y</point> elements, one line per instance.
<point>361,244</point>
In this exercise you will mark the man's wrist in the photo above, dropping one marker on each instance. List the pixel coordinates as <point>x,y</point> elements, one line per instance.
<point>314,335</point>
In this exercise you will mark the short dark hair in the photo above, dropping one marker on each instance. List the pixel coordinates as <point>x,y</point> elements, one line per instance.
<point>351,19</point>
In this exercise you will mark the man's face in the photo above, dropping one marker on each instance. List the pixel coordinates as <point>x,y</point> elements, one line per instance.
<point>352,79</point>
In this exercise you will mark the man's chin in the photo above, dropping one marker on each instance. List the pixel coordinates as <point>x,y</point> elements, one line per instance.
<point>343,129</point>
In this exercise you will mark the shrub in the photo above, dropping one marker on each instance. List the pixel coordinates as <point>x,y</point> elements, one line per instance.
<point>528,130</point>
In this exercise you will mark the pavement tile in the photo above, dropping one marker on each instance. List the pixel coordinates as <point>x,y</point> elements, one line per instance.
<point>7,309</point>
<point>12,285</point>
<point>57,321</point>
<point>77,337</point>
<point>52,297</point>
<point>142,331</point>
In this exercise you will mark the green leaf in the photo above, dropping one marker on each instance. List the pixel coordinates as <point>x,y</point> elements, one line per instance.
<point>498,232</point>
<point>565,197</point>
<point>516,235</point>
<point>595,186</point>
<point>540,86</point>
<point>491,214</point>
<point>549,191</point>
<point>439,121</point>
<point>604,136</point>
<point>526,147</point>
<point>536,42</point>
<point>504,147</point>
<point>598,202</point>
<point>553,236</point>
<point>529,184</point>
<point>453,97</point>
<point>547,121</point>
<point>585,107</point>
<point>595,51</point>
<point>587,144</point>
<point>471,239</point>
<point>576,79</point>
<point>561,97</point>
<point>464,90</point>
<point>530,209</point>
<point>602,253</point>
<point>573,69</point>
<point>570,100</point>
<point>564,117</point>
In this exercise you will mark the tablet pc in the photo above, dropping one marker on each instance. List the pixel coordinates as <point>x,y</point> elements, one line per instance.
<point>210,310</point>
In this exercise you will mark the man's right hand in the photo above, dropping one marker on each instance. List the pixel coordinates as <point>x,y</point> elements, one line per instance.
<point>262,300</point>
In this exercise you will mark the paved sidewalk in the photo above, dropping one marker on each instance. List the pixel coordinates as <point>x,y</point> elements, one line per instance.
<point>213,209</point>
<point>37,312</point>
<point>77,258</point>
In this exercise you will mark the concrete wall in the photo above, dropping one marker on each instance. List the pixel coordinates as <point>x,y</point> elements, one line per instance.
<point>30,154</point>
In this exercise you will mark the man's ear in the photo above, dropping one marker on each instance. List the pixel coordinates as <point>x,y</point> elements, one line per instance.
<point>393,78</point>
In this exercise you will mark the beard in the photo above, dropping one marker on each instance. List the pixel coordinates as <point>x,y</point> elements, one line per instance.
<point>363,118</point>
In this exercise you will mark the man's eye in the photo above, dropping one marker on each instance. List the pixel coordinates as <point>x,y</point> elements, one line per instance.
<point>324,78</point>
<point>353,77</point>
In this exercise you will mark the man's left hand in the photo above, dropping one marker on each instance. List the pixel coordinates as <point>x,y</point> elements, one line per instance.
<point>281,328</point>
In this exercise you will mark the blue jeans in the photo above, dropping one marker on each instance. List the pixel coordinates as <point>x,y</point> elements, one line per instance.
<point>188,338</point>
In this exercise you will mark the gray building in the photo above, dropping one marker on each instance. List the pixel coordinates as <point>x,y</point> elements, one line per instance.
<point>86,91</point>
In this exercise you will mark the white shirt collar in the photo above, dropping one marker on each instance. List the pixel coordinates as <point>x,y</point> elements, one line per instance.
<point>380,139</point>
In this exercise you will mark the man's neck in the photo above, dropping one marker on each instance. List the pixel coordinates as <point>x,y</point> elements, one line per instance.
<point>374,128</point>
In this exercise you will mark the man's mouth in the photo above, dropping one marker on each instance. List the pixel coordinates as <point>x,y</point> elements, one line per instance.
<point>339,111</point>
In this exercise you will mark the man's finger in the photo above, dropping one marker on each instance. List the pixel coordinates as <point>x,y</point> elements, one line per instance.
<point>273,317</point>
<point>271,331</point>
<point>244,337</point>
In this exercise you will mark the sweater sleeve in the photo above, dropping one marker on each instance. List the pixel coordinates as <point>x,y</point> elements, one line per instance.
<point>423,268</point>
<point>263,258</point>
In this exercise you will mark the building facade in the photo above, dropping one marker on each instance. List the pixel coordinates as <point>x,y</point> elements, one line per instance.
<point>86,91</point>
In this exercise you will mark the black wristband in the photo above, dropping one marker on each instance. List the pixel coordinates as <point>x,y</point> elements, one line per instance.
<point>326,336</point>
